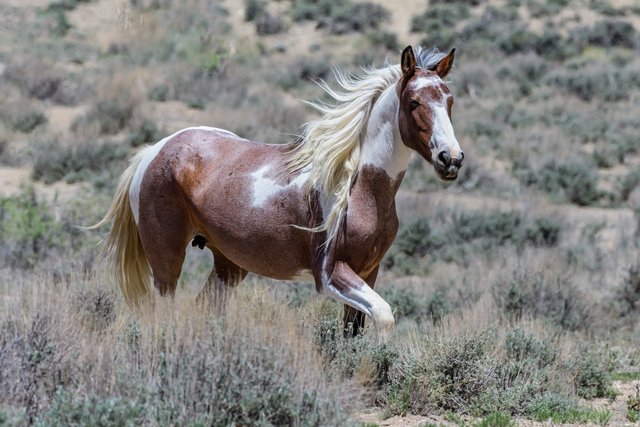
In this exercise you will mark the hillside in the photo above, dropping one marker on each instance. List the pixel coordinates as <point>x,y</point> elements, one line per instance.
<point>516,289</point>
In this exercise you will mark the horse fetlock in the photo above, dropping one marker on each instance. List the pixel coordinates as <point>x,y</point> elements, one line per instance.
<point>382,317</point>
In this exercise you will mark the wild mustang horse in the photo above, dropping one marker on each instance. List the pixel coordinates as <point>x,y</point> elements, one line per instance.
<point>320,209</point>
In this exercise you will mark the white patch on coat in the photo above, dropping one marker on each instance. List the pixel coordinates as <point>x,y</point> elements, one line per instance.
<point>443,136</point>
<point>382,145</point>
<point>264,186</point>
<point>150,153</point>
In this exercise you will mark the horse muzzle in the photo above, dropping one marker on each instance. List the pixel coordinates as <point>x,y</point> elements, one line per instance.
<point>447,167</point>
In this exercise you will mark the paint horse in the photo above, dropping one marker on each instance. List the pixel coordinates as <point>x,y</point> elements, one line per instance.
<point>320,209</point>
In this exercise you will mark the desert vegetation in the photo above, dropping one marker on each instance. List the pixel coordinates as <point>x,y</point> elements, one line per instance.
<point>516,289</point>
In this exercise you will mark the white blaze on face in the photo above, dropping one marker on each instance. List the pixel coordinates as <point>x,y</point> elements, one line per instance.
<point>443,137</point>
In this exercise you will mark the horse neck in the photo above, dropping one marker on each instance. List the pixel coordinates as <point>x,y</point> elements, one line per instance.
<point>382,146</point>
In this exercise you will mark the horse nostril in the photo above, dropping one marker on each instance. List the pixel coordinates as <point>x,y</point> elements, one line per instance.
<point>444,158</point>
<point>458,160</point>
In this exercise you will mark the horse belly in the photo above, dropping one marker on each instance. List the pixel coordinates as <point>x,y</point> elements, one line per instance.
<point>262,239</point>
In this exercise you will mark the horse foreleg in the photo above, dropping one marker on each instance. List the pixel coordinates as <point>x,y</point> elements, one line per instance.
<point>225,275</point>
<point>347,287</point>
<point>353,319</point>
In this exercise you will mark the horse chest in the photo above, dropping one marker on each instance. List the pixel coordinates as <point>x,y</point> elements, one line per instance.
<point>368,234</point>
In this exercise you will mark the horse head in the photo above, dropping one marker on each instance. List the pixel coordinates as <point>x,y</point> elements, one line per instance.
<point>425,113</point>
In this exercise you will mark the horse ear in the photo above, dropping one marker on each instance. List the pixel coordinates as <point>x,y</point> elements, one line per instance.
<point>444,66</point>
<point>408,61</point>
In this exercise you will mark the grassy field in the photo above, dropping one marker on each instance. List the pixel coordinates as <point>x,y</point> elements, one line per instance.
<point>516,289</point>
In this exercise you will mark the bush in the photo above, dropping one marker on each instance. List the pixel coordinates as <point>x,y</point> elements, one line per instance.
<point>267,24</point>
<point>26,121</point>
<point>592,378</point>
<point>28,230</point>
<point>438,22</point>
<point>145,133</point>
<point>555,299</point>
<point>78,162</point>
<point>627,295</point>
<point>254,9</point>
<point>69,410</point>
<point>629,183</point>
<point>594,82</point>
<point>340,17</point>
<point>573,181</point>
<point>108,116</point>
<point>544,232</point>
<point>462,235</point>
<point>455,372</point>
<point>609,33</point>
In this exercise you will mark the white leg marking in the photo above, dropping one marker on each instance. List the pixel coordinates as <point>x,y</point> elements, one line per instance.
<point>369,302</point>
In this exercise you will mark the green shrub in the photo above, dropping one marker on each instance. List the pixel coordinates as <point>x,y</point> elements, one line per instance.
<point>26,121</point>
<point>573,181</point>
<point>340,17</point>
<point>145,133</point>
<point>460,235</point>
<point>159,93</point>
<point>633,406</point>
<point>69,410</point>
<point>592,377</point>
<point>496,419</point>
<point>555,299</point>
<point>79,162</point>
<point>627,295</point>
<point>438,23</point>
<point>539,8</point>
<point>518,41</point>
<point>254,9</point>
<point>593,82</point>
<point>109,116</point>
<point>608,33</point>
<point>629,182</point>
<point>446,373</point>
<point>559,409</point>
<point>28,230</point>
<point>544,232</point>
<point>384,39</point>
<point>267,24</point>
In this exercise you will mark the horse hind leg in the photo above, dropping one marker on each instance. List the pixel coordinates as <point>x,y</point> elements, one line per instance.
<point>225,275</point>
<point>165,235</point>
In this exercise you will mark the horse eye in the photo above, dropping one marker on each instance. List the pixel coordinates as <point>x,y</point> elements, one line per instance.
<point>414,104</point>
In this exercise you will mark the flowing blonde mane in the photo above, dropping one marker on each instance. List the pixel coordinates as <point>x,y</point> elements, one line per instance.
<point>331,144</point>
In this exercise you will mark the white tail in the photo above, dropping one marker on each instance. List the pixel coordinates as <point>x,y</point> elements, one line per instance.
<point>131,268</point>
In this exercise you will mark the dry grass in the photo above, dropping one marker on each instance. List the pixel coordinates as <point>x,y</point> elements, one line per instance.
<point>67,342</point>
